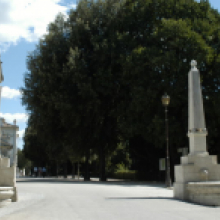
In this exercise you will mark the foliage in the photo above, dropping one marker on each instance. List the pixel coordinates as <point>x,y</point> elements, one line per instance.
<point>96,79</point>
<point>23,162</point>
<point>119,159</point>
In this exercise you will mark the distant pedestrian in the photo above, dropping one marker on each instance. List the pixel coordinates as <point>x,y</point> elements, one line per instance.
<point>44,171</point>
<point>40,171</point>
<point>35,171</point>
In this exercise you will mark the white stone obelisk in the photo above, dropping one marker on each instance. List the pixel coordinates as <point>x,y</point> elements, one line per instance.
<point>197,130</point>
<point>198,166</point>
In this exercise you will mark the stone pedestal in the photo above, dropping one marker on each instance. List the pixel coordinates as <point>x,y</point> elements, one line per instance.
<point>198,166</point>
<point>8,190</point>
<point>194,168</point>
<point>6,194</point>
<point>5,162</point>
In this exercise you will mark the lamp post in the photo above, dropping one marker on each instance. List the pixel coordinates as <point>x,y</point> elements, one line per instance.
<point>166,101</point>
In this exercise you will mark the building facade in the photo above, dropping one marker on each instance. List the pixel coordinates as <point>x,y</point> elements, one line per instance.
<point>8,140</point>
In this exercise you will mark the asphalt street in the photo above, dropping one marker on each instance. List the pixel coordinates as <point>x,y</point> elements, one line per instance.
<point>58,199</point>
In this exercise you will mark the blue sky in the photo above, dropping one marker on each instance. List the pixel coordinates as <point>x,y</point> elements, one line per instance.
<point>22,24</point>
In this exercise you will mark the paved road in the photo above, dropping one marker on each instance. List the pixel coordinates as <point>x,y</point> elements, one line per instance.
<point>56,199</point>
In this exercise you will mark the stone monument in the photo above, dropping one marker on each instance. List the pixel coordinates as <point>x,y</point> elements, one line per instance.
<point>8,190</point>
<point>197,178</point>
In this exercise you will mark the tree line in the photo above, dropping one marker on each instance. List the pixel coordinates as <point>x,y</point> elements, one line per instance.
<point>94,83</point>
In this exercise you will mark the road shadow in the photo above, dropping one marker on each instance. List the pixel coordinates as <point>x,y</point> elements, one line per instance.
<point>160,198</point>
<point>139,198</point>
<point>93,181</point>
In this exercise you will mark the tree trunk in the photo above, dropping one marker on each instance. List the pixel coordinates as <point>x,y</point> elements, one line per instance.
<point>65,169</point>
<point>86,172</point>
<point>73,170</point>
<point>102,174</point>
<point>57,169</point>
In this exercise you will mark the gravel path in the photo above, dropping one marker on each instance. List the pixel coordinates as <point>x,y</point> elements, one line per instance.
<point>57,199</point>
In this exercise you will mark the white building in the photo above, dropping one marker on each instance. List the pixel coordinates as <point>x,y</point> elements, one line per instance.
<point>8,191</point>
<point>8,140</point>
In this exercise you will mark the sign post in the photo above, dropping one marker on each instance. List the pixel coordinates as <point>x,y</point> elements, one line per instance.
<point>162,164</point>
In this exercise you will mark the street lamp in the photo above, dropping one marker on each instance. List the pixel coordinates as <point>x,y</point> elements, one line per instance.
<point>166,101</point>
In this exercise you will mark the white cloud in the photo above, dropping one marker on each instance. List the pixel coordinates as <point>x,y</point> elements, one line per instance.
<point>21,133</point>
<point>4,46</point>
<point>9,93</point>
<point>27,19</point>
<point>9,117</point>
<point>72,6</point>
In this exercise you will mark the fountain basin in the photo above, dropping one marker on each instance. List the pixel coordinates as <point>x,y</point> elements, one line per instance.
<point>204,193</point>
<point>6,194</point>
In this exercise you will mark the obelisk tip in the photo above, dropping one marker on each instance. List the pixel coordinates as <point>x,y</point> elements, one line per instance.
<point>193,64</point>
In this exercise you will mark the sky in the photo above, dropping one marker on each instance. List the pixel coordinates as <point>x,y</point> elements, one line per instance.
<point>22,24</point>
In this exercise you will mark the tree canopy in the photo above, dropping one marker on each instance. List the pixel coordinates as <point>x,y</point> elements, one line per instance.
<point>96,79</point>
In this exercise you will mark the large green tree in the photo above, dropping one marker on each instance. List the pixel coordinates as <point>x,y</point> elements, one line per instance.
<point>97,78</point>
<point>164,37</point>
<point>74,99</point>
